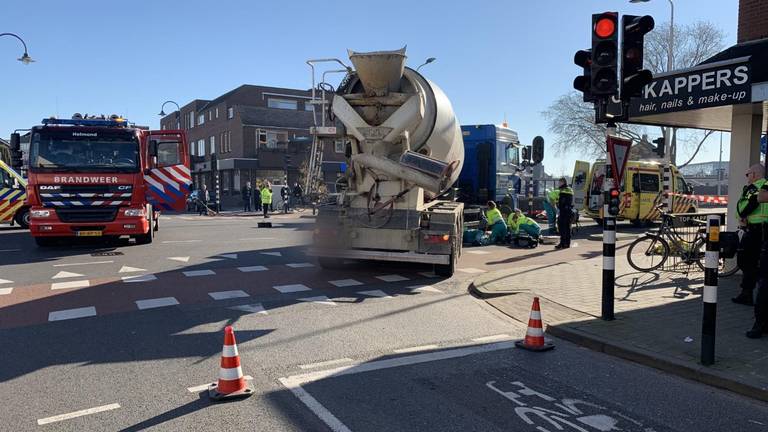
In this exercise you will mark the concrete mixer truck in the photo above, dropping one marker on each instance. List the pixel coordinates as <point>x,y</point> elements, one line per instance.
<point>404,149</point>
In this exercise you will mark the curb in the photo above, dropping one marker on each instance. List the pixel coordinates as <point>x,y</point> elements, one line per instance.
<point>698,373</point>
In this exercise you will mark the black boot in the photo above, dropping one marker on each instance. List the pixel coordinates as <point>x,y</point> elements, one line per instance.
<point>757,330</point>
<point>744,298</point>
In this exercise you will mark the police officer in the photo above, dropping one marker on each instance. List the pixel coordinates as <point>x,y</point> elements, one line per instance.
<point>761,302</point>
<point>266,198</point>
<point>752,216</point>
<point>565,210</point>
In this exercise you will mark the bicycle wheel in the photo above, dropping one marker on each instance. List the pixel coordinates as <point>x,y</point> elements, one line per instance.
<point>648,253</point>
<point>725,267</point>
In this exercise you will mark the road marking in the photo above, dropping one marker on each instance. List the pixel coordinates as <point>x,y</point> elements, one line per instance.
<point>181,241</point>
<point>5,281</point>
<point>127,269</point>
<point>291,288</point>
<point>300,265</point>
<point>325,363</point>
<point>415,349</point>
<point>83,263</point>
<point>428,274</point>
<point>195,273</point>
<point>424,288</point>
<point>230,256</point>
<point>478,252</point>
<point>252,269</point>
<point>223,295</point>
<point>76,414</point>
<point>156,303</point>
<point>71,284</point>
<point>72,313</point>
<point>179,259</point>
<point>375,293</point>
<point>256,238</point>
<point>294,383</point>
<point>256,308</point>
<point>319,300</point>
<point>492,338</point>
<point>392,278</point>
<point>10,250</point>
<point>5,291</point>
<point>66,274</point>
<point>344,283</point>
<point>201,387</point>
<point>471,270</point>
<point>139,278</point>
<point>272,253</point>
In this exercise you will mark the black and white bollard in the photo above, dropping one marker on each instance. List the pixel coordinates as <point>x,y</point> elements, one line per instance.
<point>711,264</point>
<point>667,198</point>
<point>609,248</point>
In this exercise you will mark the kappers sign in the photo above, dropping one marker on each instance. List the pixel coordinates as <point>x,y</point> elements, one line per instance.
<point>728,84</point>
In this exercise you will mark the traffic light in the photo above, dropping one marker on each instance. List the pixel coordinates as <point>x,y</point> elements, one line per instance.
<point>613,202</point>
<point>605,45</point>
<point>583,83</point>
<point>537,150</point>
<point>287,159</point>
<point>526,156</point>
<point>16,154</point>
<point>659,149</point>
<point>633,76</point>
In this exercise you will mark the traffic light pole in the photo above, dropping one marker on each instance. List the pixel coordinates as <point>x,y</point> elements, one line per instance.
<point>609,237</point>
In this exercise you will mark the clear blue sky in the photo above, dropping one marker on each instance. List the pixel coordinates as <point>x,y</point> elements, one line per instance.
<point>494,57</point>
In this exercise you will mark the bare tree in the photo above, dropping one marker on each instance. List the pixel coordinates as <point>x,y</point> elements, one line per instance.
<point>573,121</point>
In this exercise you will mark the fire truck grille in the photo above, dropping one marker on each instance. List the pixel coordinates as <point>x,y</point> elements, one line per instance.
<point>100,214</point>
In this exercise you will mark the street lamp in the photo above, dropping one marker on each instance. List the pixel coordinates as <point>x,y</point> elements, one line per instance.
<point>25,58</point>
<point>429,60</point>
<point>178,111</point>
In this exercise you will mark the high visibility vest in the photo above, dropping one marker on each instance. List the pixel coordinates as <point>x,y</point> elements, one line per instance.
<point>760,214</point>
<point>493,216</point>
<point>266,196</point>
<point>553,196</point>
<point>515,224</point>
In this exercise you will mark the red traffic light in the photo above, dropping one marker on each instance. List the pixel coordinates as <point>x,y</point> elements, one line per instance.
<point>605,27</point>
<point>614,193</point>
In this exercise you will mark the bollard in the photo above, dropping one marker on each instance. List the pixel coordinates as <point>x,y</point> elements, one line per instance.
<point>667,198</point>
<point>609,239</point>
<point>711,264</point>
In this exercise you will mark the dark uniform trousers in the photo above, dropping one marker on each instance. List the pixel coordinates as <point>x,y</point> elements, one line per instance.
<point>564,225</point>
<point>748,257</point>
<point>761,303</point>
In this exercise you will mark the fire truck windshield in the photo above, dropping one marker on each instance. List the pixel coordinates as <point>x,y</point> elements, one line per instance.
<point>84,151</point>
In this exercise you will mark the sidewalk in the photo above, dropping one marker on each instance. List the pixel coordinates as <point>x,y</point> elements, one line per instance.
<point>658,318</point>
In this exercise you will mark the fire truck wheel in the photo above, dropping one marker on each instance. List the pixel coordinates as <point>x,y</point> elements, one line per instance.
<point>22,218</point>
<point>150,235</point>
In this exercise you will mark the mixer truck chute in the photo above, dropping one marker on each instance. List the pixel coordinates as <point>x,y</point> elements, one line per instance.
<point>404,150</point>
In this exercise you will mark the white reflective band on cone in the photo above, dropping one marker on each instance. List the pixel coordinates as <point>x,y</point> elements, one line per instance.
<point>609,263</point>
<point>231,373</point>
<point>710,294</point>
<point>711,259</point>
<point>229,351</point>
<point>536,315</point>
<point>532,331</point>
<point>609,236</point>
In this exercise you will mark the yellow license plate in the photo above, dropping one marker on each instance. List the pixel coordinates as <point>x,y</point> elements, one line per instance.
<point>89,233</point>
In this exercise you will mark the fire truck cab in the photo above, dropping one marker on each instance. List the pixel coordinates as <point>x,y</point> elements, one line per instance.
<point>103,177</point>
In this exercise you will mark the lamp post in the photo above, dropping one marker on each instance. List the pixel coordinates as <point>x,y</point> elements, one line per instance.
<point>178,112</point>
<point>25,58</point>
<point>428,61</point>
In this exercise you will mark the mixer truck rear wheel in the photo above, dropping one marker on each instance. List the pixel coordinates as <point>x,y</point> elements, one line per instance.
<point>329,263</point>
<point>447,270</point>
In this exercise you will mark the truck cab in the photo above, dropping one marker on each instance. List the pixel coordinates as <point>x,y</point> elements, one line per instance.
<point>98,177</point>
<point>491,163</point>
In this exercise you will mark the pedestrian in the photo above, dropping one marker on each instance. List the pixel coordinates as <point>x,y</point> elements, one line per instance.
<point>495,223</point>
<point>517,222</point>
<point>257,197</point>
<point>565,212</point>
<point>550,206</point>
<point>266,198</point>
<point>752,217</point>
<point>298,192</point>
<point>203,197</point>
<point>247,197</point>
<point>285,194</point>
<point>761,302</point>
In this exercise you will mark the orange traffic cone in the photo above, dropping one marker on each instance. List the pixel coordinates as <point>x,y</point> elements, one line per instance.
<point>231,383</point>
<point>534,337</point>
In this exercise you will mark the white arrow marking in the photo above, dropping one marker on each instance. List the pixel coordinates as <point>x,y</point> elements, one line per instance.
<point>126,269</point>
<point>65,274</point>
<point>179,259</point>
<point>230,256</point>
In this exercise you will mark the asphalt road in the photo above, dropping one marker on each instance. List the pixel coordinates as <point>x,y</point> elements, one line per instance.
<point>365,348</point>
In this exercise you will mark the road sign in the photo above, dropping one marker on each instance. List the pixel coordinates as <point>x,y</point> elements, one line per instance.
<point>618,149</point>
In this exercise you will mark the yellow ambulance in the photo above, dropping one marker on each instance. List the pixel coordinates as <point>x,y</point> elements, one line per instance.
<point>641,191</point>
<point>13,194</point>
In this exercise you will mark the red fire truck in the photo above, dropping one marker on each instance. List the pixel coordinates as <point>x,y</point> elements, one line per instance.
<point>103,177</point>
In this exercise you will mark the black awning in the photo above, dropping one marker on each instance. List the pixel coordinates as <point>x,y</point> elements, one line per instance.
<point>756,50</point>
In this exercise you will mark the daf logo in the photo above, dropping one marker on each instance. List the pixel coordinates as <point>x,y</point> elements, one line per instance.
<point>49,187</point>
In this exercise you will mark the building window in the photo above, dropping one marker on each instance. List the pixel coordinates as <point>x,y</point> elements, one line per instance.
<point>210,115</point>
<point>230,113</point>
<point>213,144</point>
<point>229,140</point>
<point>339,146</point>
<point>201,119</point>
<point>191,119</point>
<point>226,181</point>
<point>192,149</point>
<point>282,104</point>
<point>309,107</point>
<point>201,147</point>
<point>217,112</point>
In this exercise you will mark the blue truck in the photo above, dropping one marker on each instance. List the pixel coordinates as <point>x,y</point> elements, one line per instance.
<point>491,164</point>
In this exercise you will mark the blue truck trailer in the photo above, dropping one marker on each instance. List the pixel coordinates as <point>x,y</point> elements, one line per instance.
<point>491,164</point>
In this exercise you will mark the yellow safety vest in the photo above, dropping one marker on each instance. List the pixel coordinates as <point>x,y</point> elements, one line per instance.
<point>493,216</point>
<point>266,196</point>
<point>760,214</point>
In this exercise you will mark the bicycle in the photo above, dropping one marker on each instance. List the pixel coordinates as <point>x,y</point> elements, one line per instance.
<point>650,251</point>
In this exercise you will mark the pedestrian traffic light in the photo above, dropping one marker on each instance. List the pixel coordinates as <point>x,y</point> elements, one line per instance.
<point>537,150</point>
<point>583,83</point>
<point>604,65</point>
<point>633,76</point>
<point>659,149</point>
<point>16,154</point>
<point>613,202</point>
<point>526,155</point>
<point>287,159</point>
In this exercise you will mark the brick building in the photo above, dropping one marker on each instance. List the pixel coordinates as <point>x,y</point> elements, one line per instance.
<point>251,129</point>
